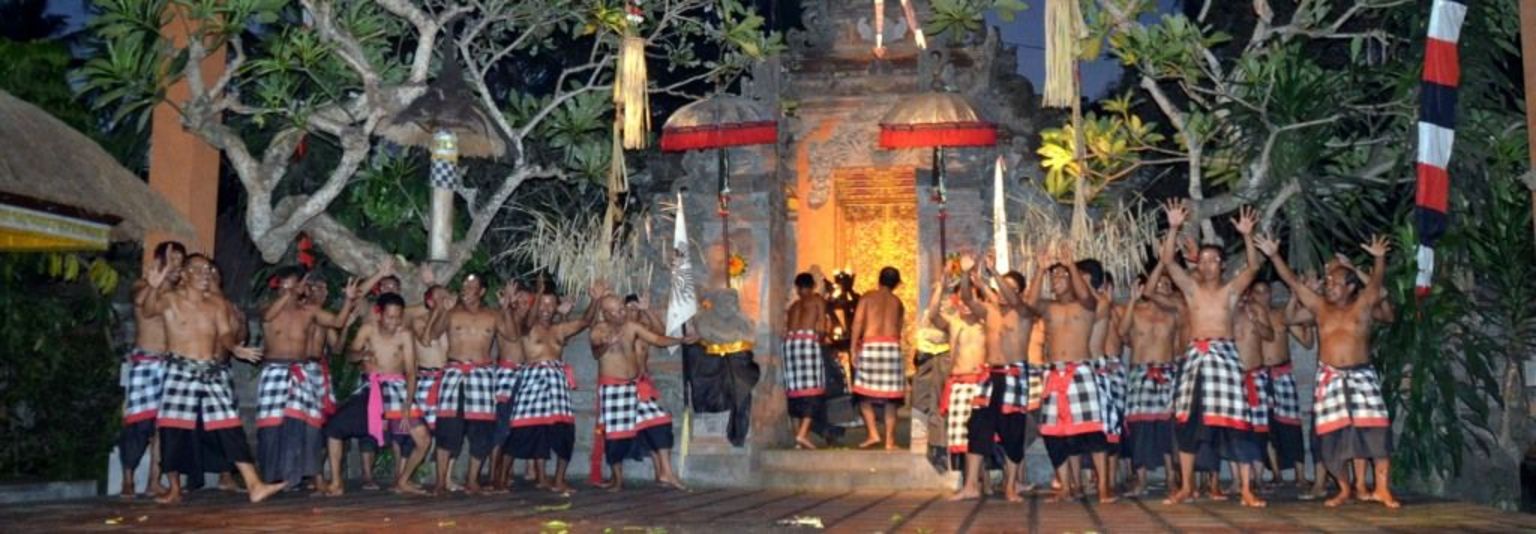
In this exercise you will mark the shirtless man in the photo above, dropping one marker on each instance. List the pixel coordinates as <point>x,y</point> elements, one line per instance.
<point>466,398</point>
<point>1150,322</point>
<point>879,373</point>
<point>1285,437</point>
<point>1208,405</point>
<point>805,380</point>
<point>1105,345</point>
<point>988,373</point>
<point>384,408</point>
<point>514,304</point>
<point>1352,420</point>
<point>197,410</point>
<point>542,420</point>
<point>292,387</point>
<point>143,372</point>
<point>1251,330</point>
<point>1070,383</point>
<point>431,356</point>
<point>628,404</point>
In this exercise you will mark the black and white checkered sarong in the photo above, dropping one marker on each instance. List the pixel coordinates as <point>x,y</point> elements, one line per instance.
<point>960,395</point>
<point>1349,397</point>
<point>878,371</point>
<point>1111,377</point>
<point>543,395</point>
<point>1215,365</point>
<point>143,385</point>
<point>1256,392</point>
<point>427,392</point>
<point>1150,395</point>
<point>1284,396</point>
<point>506,380</point>
<point>472,385</point>
<point>1071,404</point>
<point>1017,391</point>
<point>292,390</point>
<point>623,409</point>
<point>804,370</point>
<point>197,389</point>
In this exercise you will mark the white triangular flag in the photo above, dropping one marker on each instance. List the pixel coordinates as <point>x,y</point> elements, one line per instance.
<point>683,303</point>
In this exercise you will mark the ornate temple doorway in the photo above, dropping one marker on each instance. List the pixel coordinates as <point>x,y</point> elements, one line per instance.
<point>877,227</point>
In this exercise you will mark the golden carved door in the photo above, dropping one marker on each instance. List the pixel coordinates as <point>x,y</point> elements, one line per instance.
<point>877,210</point>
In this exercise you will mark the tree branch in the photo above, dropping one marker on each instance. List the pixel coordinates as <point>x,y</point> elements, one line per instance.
<point>347,47</point>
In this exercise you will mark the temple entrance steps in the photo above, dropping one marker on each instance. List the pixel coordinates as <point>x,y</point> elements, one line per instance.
<point>850,469</point>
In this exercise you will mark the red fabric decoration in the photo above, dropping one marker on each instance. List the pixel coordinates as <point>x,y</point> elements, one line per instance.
<point>945,134</point>
<point>719,136</point>
<point>300,149</point>
<point>272,282</point>
<point>306,258</point>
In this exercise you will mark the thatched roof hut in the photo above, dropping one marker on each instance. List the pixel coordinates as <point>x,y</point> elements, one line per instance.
<point>59,190</point>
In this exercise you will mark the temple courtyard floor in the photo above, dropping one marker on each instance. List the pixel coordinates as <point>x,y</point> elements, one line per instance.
<point>651,510</point>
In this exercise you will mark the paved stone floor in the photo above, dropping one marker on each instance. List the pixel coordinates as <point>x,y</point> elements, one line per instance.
<point>650,510</point>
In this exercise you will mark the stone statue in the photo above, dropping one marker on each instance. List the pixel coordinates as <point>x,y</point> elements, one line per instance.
<point>719,370</point>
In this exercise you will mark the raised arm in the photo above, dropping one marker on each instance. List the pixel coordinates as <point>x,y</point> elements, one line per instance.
<point>1377,247</point>
<point>286,294</point>
<point>1177,214</point>
<point>968,286</point>
<point>359,349</point>
<point>1246,219</point>
<point>934,314</point>
<point>634,330</point>
<point>155,301</point>
<point>1298,329</point>
<point>1129,317</point>
<point>1271,248</point>
<point>1085,295</point>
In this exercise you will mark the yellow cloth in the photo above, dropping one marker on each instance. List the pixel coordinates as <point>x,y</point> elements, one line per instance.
<point>723,349</point>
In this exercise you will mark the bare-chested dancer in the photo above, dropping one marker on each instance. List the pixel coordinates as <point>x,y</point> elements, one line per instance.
<point>514,304</point>
<point>1001,396</point>
<point>1073,422</point>
<point>1352,419</point>
<point>1285,437</point>
<point>1151,324</point>
<point>805,380</point>
<point>197,410</point>
<point>1251,330</point>
<point>628,404</point>
<point>431,355</point>
<point>143,373</point>
<point>1209,405</point>
<point>542,420</point>
<point>466,393</point>
<point>879,375</point>
<point>292,388</point>
<point>1105,345</point>
<point>382,410</point>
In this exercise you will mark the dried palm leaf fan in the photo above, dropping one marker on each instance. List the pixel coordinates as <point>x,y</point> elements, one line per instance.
<point>448,121</point>
<point>1064,32</point>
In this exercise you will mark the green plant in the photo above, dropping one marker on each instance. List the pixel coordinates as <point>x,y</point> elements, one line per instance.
<point>961,18</point>
<point>1114,145</point>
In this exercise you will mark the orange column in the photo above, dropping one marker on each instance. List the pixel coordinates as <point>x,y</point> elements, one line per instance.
<point>183,168</point>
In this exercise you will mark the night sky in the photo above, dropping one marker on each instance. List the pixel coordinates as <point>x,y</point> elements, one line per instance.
<point>1024,32</point>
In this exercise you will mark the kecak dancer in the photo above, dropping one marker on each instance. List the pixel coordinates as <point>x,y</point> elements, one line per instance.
<point>1001,401</point>
<point>514,303</point>
<point>1352,420</point>
<point>1210,405</point>
<point>1151,325</point>
<point>1285,436</point>
<point>629,405</point>
<point>384,408</point>
<point>542,420</point>
<point>199,425</point>
<point>1073,422</point>
<point>1251,330</point>
<point>466,405</point>
<point>431,355</point>
<point>292,390</point>
<point>805,379</point>
<point>879,376</point>
<point>1105,345</point>
<point>143,376</point>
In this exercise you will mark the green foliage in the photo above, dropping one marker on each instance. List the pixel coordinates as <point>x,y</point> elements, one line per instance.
<point>59,401</point>
<point>1172,48</point>
<point>961,18</point>
<point>1113,147</point>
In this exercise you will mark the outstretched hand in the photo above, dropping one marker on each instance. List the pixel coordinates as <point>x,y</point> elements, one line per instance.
<point>354,289</point>
<point>967,262</point>
<point>1247,217</point>
<point>157,277</point>
<point>1137,289</point>
<point>1177,212</point>
<point>1378,246</point>
<point>1267,245</point>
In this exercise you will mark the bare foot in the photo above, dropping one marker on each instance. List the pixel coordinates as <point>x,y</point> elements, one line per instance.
<point>127,493</point>
<point>369,485</point>
<point>169,497</point>
<point>1386,499</point>
<point>869,443</point>
<point>890,446</point>
<point>964,494</point>
<point>1339,499</point>
<point>336,489</point>
<point>1012,496</point>
<point>472,488</point>
<point>1108,499</point>
<point>562,487</point>
<point>1178,497</point>
<point>1136,490</point>
<point>440,490</point>
<point>229,485</point>
<point>674,483</point>
<point>1060,495</point>
<point>406,487</point>
<point>260,491</point>
<point>1253,501</point>
<point>154,488</point>
<point>1218,495</point>
<point>544,485</point>
<point>803,443</point>
<point>613,487</point>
